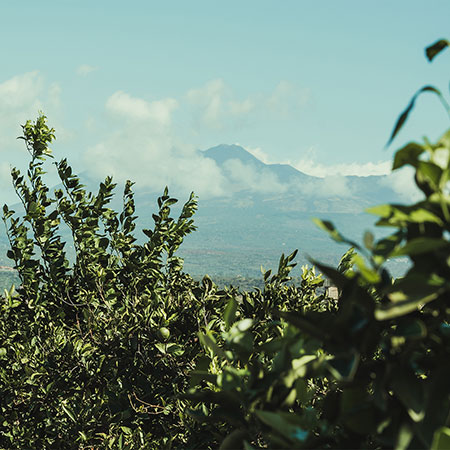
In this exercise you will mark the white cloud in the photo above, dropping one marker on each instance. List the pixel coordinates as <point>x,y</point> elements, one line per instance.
<point>309,165</point>
<point>21,97</point>
<point>85,69</point>
<point>153,161</point>
<point>20,91</point>
<point>217,106</point>
<point>238,108</point>
<point>344,169</point>
<point>54,95</point>
<point>243,176</point>
<point>5,175</point>
<point>158,111</point>
<point>210,100</point>
<point>146,150</point>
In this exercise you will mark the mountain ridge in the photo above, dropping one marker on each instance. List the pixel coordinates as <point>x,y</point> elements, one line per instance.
<point>247,228</point>
<point>225,152</point>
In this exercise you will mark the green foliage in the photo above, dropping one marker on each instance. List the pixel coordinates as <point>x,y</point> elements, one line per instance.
<point>371,372</point>
<point>95,353</point>
<point>121,349</point>
<point>98,351</point>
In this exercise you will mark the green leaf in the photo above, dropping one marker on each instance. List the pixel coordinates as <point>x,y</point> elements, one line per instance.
<point>404,437</point>
<point>433,50</point>
<point>241,326</point>
<point>329,228</point>
<point>338,278</point>
<point>83,436</point>
<point>409,390</point>
<point>419,246</point>
<point>234,440</point>
<point>402,308</point>
<point>174,349</point>
<point>368,273</point>
<point>400,216</point>
<point>284,424</point>
<point>409,294</point>
<point>299,367</point>
<point>208,341</point>
<point>431,172</point>
<point>304,323</point>
<point>161,347</point>
<point>357,411</point>
<point>301,389</point>
<point>404,115</point>
<point>441,439</point>
<point>229,314</point>
<point>409,154</point>
<point>343,367</point>
<point>411,329</point>
<point>421,215</point>
<point>380,210</point>
<point>69,412</point>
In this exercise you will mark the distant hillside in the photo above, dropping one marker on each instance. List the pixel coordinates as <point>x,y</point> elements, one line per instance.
<point>250,227</point>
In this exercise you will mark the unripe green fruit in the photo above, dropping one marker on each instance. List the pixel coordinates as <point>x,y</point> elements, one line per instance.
<point>164,333</point>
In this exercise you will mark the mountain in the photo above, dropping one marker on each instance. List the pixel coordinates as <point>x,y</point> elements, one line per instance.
<point>223,153</point>
<point>302,192</point>
<point>238,233</point>
<point>266,211</point>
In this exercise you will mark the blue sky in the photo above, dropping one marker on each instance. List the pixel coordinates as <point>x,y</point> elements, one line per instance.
<point>135,88</point>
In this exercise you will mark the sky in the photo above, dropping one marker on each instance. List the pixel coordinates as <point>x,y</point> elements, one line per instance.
<point>134,89</point>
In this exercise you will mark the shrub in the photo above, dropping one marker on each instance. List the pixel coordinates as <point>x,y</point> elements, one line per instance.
<point>95,352</point>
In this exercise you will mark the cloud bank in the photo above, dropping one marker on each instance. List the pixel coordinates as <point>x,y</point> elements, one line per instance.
<point>142,141</point>
<point>311,167</point>
<point>146,147</point>
<point>158,112</point>
<point>216,106</point>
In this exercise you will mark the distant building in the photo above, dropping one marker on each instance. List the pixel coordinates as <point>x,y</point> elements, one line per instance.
<point>333,292</point>
<point>328,290</point>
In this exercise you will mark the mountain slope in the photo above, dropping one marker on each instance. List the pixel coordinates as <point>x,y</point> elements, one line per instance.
<point>253,224</point>
<point>223,153</point>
